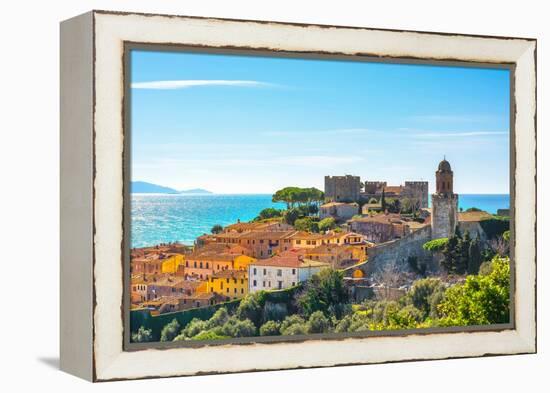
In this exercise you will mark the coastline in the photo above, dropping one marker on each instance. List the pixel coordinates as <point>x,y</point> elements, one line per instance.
<point>154,224</point>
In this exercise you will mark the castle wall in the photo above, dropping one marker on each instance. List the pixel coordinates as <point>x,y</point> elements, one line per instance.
<point>475,230</point>
<point>374,187</point>
<point>411,189</point>
<point>399,251</point>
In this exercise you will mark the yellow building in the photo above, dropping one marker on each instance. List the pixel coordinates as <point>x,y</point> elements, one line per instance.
<point>229,283</point>
<point>172,262</point>
<point>242,261</point>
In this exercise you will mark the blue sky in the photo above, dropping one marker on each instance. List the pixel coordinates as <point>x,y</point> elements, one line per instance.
<point>243,124</point>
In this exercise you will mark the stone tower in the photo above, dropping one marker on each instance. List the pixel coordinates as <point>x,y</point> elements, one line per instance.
<point>444,203</point>
<point>342,188</point>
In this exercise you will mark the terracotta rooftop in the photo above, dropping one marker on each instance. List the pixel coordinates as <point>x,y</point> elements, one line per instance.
<point>291,258</point>
<point>393,189</point>
<point>473,216</point>
<point>307,235</point>
<point>381,218</point>
<point>329,249</point>
<point>331,204</point>
<point>251,226</point>
<point>208,256</point>
<point>267,235</point>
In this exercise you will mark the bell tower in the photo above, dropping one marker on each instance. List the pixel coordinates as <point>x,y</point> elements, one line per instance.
<point>444,203</point>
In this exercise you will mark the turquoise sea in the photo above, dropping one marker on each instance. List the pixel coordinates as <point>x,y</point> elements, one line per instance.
<point>161,218</point>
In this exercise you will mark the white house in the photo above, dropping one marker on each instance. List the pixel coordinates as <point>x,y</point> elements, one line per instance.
<point>282,271</point>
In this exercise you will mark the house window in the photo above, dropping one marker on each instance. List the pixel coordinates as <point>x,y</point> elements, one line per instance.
<point>269,252</point>
<point>242,290</point>
<point>293,283</point>
<point>200,264</point>
<point>293,271</point>
<point>279,272</point>
<point>242,280</point>
<point>207,265</point>
<point>265,272</point>
<point>269,284</point>
<point>234,290</point>
<point>195,264</point>
<point>298,242</point>
<point>261,253</point>
<point>227,290</point>
<point>263,284</point>
<point>186,263</point>
<point>254,271</point>
<point>221,284</point>
<point>280,284</point>
<point>255,284</point>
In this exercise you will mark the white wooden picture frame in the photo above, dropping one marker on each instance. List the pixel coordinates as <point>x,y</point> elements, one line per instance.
<point>92,194</point>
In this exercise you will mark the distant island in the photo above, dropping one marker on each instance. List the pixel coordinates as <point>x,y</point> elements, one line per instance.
<point>141,187</point>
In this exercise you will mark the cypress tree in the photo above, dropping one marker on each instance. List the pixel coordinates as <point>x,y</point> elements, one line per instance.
<point>474,261</point>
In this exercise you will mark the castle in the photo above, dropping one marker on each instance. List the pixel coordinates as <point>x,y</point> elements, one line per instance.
<point>348,189</point>
<point>443,222</point>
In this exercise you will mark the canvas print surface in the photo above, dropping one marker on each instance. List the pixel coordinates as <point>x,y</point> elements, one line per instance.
<point>287,197</point>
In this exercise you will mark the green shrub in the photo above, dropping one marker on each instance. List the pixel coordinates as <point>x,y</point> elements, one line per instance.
<point>321,291</point>
<point>251,308</point>
<point>436,244</point>
<point>292,325</point>
<point>307,224</point>
<point>422,292</point>
<point>217,229</point>
<point>270,328</point>
<point>209,335</point>
<point>327,224</point>
<point>170,331</point>
<point>237,328</point>
<point>219,318</point>
<point>195,327</point>
<point>294,330</point>
<point>318,323</point>
<point>142,335</point>
<point>481,299</point>
<point>291,215</point>
<point>268,213</point>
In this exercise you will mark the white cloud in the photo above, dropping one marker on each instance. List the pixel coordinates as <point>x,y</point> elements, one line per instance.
<point>186,84</point>
<point>453,118</point>
<point>341,131</point>
<point>459,134</point>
